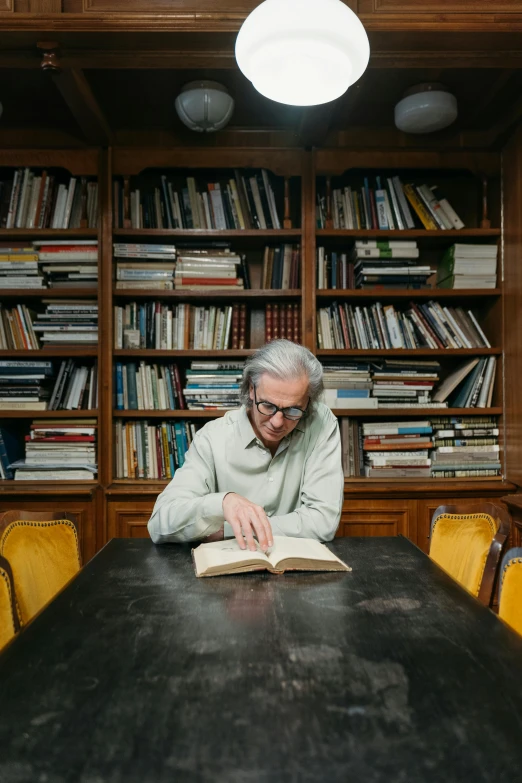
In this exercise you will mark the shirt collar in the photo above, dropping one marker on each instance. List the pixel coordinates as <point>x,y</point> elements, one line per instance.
<point>246,431</point>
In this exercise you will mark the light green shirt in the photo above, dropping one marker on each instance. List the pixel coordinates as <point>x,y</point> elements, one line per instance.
<point>300,488</point>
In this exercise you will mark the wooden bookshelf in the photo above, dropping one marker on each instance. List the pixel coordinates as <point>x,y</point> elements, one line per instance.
<point>123,506</point>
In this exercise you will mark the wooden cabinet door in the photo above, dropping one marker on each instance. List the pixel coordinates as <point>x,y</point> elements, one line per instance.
<point>378,518</point>
<point>128,519</point>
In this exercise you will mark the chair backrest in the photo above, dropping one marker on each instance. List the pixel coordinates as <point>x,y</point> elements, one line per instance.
<point>510,590</point>
<point>44,556</point>
<point>467,541</point>
<point>9,622</point>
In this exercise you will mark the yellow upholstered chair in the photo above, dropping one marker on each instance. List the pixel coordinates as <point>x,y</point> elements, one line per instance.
<point>467,542</point>
<point>9,622</point>
<point>510,593</point>
<point>43,551</point>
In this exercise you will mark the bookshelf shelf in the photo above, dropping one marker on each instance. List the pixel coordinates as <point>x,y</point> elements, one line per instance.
<point>210,295</point>
<point>387,413</point>
<point>48,233</point>
<point>176,414</point>
<point>326,352</point>
<point>213,233</point>
<point>398,293</point>
<point>33,414</point>
<point>49,293</point>
<point>50,353</point>
<point>421,233</point>
<point>151,353</point>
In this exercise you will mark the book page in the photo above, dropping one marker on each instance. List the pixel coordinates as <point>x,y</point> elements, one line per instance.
<point>289,548</point>
<point>223,554</point>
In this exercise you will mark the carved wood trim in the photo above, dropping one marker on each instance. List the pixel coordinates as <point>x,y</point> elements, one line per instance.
<point>6,6</point>
<point>445,6</point>
<point>167,6</point>
<point>45,6</point>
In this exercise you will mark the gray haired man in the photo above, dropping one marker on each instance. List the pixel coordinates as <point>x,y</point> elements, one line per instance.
<point>272,467</point>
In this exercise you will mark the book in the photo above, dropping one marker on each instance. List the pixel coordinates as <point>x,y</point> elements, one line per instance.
<point>287,554</point>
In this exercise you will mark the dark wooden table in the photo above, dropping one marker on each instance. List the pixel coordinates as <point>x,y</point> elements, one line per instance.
<point>140,673</point>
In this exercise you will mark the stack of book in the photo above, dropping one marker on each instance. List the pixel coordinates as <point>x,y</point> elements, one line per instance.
<point>470,385</point>
<point>244,201</point>
<point>19,268</point>
<point>68,263</point>
<point>207,268</point>
<point>16,329</point>
<point>392,264</point>
<point>213,385</point>
<point>281,267</point>
<point>283,321</point>
<point>465,447</point>
<point>406,383</point>
<point>68,322</point>
<point>25,385</point>
<point>397,449</point>
<point>151,451</point>
<point>39,200</point>
<point>348,386</point>
<point>147,387</point>
<point>144,266</point>
<point>424,325</point>
<point>75,388</point>
<point>57,450</point>
<point>388,205</point>
<point>181,327</point>
<point>468,266</point>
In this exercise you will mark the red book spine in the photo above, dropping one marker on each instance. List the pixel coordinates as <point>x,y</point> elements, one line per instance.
<point>268,323</point>
<point>282,321</point>
<point>242,326</point>
<point>235,327</point>
<point>275,322</point>
<point>179,388</point>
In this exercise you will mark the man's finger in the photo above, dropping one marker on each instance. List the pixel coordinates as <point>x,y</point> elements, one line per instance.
<point>235,524</point>
<point>261,515</point>
<point>247,529</point>
<point>260,529</point>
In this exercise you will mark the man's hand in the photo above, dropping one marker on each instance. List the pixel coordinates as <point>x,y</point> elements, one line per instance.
<point>247,519</point>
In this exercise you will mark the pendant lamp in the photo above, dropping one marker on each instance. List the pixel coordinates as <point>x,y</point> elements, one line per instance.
<point>302,52</point>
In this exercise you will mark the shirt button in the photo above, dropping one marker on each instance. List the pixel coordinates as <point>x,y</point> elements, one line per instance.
<point>270,478</point>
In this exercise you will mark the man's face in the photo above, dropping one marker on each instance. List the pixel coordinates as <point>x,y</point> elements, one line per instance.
<point>284,394</point>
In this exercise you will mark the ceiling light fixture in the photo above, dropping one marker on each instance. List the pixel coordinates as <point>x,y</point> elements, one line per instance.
<point>204,106</point>
<point>302,52</point>
<point>426,108</point>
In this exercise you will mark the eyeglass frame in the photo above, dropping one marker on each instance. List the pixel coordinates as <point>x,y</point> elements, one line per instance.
<point>278,409</point>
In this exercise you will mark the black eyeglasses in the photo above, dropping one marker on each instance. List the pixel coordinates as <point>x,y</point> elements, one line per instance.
<point>269,409</point>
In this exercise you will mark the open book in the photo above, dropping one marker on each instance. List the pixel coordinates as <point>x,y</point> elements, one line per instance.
<point>287,554</point>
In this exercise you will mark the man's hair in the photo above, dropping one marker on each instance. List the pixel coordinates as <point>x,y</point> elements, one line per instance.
<point>283,360</point>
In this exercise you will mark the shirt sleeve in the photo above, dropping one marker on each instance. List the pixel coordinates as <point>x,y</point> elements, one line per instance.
<point>322,491</point>
<point>189,508</point>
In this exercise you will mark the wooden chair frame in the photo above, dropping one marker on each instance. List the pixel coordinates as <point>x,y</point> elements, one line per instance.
<point>4,564</point>
<point>490,574</point>
<point>6,517</point>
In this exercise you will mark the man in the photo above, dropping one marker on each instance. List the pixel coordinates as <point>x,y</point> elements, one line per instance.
<point>273,467</point>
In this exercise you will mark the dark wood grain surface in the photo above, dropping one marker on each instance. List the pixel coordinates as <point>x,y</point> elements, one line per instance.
<point>139,672</point>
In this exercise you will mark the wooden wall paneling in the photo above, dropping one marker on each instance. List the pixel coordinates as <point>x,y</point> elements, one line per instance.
<point>335,161</point>
<point>512,242</point>
<point>105,317</point>
<point>128,520</point>
<point>6,6</point>
<point>375,518</point>
<point>308,251</point>
<point>45,6</point>
<point>438,6</point>
<point>79,97</point>
<point>283,162</point>
<point>77,161</point>
<point>169,6</point>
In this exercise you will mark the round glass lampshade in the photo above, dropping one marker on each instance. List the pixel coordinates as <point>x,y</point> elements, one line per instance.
<point>302,52</point>
<point>204,106</point>
<point>426,111</point>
